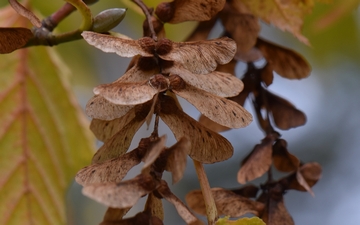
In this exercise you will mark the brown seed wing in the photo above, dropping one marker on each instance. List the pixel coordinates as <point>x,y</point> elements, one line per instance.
<point>206,145</point>
<point>13,38</point>
<point>111,171</point>
<point>285,62</point>
<point>120,46</point>
<point>100,108</point>
<point>181,208</point>
<point>113,215</point>
<point>221,110</point>
<point>285,114</point>
<point>126,93</point>
<point>188,10</point>
<point>208,123</point>
<point>154,151</point>
<point>202,57</point>
<point>243,28</point>
<point>119,143</point>
<point>121,195</point>
<point>104,130</point>
<point>177,156</point>
<point>283,160</point>
<point>136,74</point>
<point>154,206</point>
<point>257,162</point>
<point>227,203</point>
<point>276,213</point>
<point>217,83</point>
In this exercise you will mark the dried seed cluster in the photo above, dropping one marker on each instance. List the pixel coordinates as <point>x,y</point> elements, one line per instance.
<point>194,70</point>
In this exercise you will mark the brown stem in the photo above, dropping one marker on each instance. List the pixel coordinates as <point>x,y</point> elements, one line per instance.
<point>211,211</point>
<point>52,21</point>
<point>147,13</point>
<point>155,133</point>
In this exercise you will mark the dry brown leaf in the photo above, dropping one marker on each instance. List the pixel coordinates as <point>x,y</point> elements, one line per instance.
<point>181,208</point>
<point>99,108</point>
<point>258,161</point>
<point>306,177</point>
<point>153,152</point>
<point>206,145</point>
<point>286,15</point>
<point>285,114</point>
<point>113,215</point>
<point>208,123</point>
<point>111,171</point>
<point>202,30</point>
<point>243,28</point>
<point>104,130</point>
<point>282,159</point>
<point>154,206</point>
<point>285,62</point>
<point>227,203</point>
<point>120,46</point>
<point>179,11</point>
<point>12,39</point>
<point>121,195</point>
<point>201,57</point>
<point>176,158</point>
<point>217,83</point>
<point>220,110</point>
<point>126,93</point>
<point>275,213</point>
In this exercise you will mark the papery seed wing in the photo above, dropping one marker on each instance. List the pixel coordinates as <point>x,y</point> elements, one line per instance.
<point>126,93</point>
<point>179,11</point>
<point>120,46</point>
<point>214,126</point>
<point>13,38</point>
<point>275,212</point>
<point>202,30</point>
<point>221,110</point>
<point>121,195</point>
<point>176,160</point>
<point>100,108</point>
<point>144,68</point>
<point>257,162</point>
<point>285,62</point>
<point>111,171</point>
<point>206,145</point>
<point>217,83</point>
<point>113,215</point>
<point>181,208</point>
<point>119,143</point>
<point>154,151</point>
<point>227,203</point>
<point>104,130</point>
<point>283,160</point>
<point>285,114</point>
<point>202,57</point>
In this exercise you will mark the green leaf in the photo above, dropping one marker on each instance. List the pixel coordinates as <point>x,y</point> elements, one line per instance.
<point>44,138</point>
<point>242,221</point>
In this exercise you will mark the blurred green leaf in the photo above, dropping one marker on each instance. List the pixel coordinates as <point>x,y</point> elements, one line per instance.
<point>44,139</point>
<point>242,221</point>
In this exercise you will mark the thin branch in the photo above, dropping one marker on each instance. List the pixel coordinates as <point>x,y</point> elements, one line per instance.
<point>146,11</point>
<point>52,21</point>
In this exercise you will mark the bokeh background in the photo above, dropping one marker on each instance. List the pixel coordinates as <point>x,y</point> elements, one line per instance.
<point>330,98</point>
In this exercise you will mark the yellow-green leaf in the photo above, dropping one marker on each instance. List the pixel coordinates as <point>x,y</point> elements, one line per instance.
<point>43,137</point>
<point>242,221</point>
<point>286,15</point>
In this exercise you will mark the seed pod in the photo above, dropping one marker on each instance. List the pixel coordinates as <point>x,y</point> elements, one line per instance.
<point>108,19</point>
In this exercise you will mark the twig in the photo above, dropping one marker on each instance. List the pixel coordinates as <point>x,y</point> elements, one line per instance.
<point>146,11</point>
<point>52,21</point>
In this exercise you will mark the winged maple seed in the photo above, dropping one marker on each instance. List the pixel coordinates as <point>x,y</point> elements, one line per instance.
<point>102,181</point>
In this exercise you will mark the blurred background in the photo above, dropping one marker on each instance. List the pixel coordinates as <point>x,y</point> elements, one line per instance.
<point>330,98</point>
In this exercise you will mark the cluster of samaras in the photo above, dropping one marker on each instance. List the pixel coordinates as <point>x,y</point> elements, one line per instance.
<point>159,70</point>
